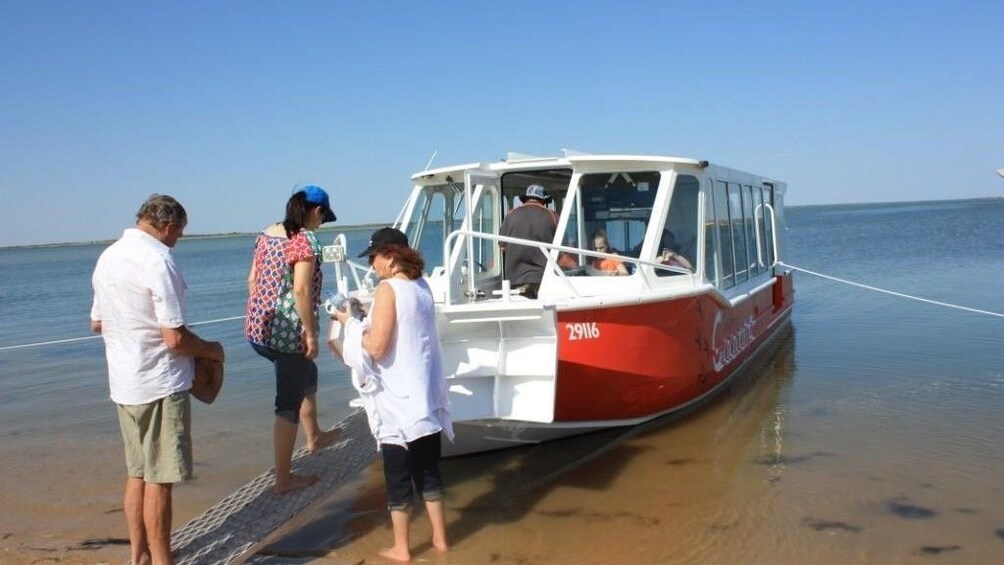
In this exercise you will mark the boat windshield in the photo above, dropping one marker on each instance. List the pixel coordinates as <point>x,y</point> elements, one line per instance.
<point>611,216</point>
<point>437,210</point>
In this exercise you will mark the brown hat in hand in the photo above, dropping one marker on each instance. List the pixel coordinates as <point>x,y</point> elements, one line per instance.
<point>208,379</point>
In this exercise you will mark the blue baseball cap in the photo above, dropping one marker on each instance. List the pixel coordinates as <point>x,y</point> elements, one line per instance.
<point>317,195</point>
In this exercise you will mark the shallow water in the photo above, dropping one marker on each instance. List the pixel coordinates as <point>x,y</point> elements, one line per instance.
<point>871,433</point>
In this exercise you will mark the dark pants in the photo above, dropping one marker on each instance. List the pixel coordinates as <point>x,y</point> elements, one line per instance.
<point>415,469</point>
<point>295,378</point>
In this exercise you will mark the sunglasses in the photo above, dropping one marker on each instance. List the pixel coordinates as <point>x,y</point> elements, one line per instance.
<point>372,256</point>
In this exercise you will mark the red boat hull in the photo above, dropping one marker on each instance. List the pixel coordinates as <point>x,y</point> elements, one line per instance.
<point>640,361</point>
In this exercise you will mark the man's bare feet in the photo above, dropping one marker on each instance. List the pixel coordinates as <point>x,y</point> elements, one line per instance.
<point>395,554</point>
<point>325,439</point>
<point>294,482</point>
<point>441,546</point>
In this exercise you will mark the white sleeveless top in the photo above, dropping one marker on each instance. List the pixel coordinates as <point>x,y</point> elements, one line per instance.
<point>410,399</point>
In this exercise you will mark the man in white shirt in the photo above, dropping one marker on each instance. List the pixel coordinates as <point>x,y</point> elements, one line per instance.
<point>139,309</point>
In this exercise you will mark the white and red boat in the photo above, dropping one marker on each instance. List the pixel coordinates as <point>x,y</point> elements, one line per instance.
<point>596,351</point>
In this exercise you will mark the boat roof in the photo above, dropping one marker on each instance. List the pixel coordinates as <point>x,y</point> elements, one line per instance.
<point>519,161</point>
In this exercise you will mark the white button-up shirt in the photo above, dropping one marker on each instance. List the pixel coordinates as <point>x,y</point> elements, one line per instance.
<point>138,290</point>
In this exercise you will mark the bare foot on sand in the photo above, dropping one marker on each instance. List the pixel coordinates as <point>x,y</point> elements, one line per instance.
<point>441,546</point>
<point>294,482</point>
<point>326,439</point>
<point>395,554</point>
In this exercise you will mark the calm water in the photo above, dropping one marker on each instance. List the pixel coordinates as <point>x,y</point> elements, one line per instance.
<point>871,433</point>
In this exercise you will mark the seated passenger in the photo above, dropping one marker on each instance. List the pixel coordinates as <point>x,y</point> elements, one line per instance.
<point>606,265</point>
<point>568,260</point>
<point>669,254</point>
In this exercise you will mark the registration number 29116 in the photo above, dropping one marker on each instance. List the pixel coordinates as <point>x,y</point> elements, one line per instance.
<point>582,330</point>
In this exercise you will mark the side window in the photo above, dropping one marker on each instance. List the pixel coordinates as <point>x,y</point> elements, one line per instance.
<point>487,219</point>
<point>712,256</point>
<point>678,236</point>
<point>759,215</point>
<point>572,263</point>
<point>738,230</point>
<point>728,279</point>
<point>751,240</point>
<point>428,226</point>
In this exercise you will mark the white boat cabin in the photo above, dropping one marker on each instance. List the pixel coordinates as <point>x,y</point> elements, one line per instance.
<point>722,221</point>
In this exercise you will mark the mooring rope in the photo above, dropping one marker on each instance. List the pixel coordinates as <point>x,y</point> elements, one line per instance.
<point>893,293</point>
<point>790,266</point>
<point>98,336</point>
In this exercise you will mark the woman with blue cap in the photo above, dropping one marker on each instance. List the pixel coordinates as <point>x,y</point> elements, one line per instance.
<point>284,289</point>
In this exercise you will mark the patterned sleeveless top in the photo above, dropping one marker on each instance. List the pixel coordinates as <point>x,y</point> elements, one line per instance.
<point>272,320</point>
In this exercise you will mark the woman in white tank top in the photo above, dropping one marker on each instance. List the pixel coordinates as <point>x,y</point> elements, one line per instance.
<point>397,348</point>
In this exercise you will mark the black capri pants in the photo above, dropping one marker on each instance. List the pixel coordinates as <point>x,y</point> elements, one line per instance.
<point>411,470</point>
<point>295,378</point>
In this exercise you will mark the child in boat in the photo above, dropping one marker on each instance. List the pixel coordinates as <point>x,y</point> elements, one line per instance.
<point>606,265</point>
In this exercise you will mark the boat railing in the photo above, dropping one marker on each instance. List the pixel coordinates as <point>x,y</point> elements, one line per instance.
<point>337,255</point>
<point>762,209</point>
<point>550,250</point>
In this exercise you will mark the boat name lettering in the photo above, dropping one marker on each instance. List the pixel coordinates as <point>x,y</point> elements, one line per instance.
<point>734,344</point>
<point>582,330</point>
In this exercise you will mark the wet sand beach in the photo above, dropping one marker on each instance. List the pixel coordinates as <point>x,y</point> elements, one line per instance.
<point>728,484</point>
<point>756,476</point>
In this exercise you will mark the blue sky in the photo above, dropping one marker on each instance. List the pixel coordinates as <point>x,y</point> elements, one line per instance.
<point>228,105</point>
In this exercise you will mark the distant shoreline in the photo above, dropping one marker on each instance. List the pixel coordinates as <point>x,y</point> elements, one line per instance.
<point>355,227</point>
<point>381,224</point>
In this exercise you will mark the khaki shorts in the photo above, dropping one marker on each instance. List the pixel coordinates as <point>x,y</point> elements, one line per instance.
<point>158,439</point>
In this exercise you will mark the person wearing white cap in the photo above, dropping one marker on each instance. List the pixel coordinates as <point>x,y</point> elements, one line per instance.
<point>524,265</point>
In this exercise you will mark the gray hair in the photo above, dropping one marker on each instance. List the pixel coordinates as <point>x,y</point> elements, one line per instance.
<point>161,209</point>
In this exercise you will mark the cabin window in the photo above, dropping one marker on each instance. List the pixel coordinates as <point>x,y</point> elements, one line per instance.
<point>617,204</point>
<point>742,246</point>
<point>571,263</point>
<point>727,279</point>
<point>712,257</point>
<point>752,254</point>
<point>430,222</point>
<point>554,181</point>
<point>514,185</point>
<point>759,215</point>
<point>487,219</point>
<point>738,233</point>
<point>678,236</point>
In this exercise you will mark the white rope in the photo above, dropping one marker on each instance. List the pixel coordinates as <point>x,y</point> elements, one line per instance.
<point>800,269</point>
<point>900,294</point>
<point>217,320</point>
<point>97,336</point>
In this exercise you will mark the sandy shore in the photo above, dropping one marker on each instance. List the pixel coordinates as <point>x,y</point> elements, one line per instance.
<point>764,474</point>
